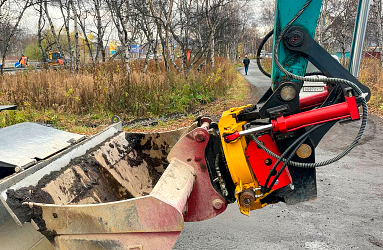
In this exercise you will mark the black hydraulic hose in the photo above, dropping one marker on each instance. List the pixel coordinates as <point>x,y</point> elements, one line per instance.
<point>260,47</point>
<point>314,74</point>
<point>259,51</point>
<point>358,91</point>
<point>299,141</point>
<point>292,155</point>
<point>360,99</point>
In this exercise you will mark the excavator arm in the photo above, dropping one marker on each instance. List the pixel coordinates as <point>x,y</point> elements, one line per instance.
<point>269,147</point>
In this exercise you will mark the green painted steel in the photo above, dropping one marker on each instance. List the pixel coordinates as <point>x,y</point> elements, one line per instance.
<point>295,62</point>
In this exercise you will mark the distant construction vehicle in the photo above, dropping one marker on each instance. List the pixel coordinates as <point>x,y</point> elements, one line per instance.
<point>54,59</point>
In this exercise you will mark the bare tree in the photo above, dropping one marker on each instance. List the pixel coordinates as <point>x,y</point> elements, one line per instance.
<point>76,45</point>
<point>120,11</point>
<point>376,20</point>
<point>65,12</point>
<point>40,27</point>
<point>101,22</point>
<point>162,13</point>
<point>52,27</point>
<point>82,16</point>
<point>22,7</point>
<point>146,25</point>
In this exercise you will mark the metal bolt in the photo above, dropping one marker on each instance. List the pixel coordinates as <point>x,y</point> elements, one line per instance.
<point>288,93</point>
<point>304,151</point>
<point>295,38</point>
<point>218,204</point>
<point>205,122</point>
<point>268,162</point>
<point>247,198</point>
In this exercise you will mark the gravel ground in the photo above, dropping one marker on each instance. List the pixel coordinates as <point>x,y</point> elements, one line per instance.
<point>348,213</point>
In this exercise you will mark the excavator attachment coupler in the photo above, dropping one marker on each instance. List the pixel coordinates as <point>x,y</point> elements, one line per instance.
<point>131,191</point>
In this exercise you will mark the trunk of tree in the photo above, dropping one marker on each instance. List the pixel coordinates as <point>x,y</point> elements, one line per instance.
<point>100,32</point>
<point>155,53</point>
<point>84,31</point>
<point>87,42</point>
<point>211,57</point>
<point>147,58</point>
<point>164,53</point>
<point>186,40</point>
<point>167,32</point>
<point>39,29</point>
<point>211,35</point>
<point>76,47</point>
<point>127,60</point>
<point>164,40</point>
<point>66,24</point>
<point>149,37</point>
<point>228,51</point>
<point>120,21</point>
<point>57,41</point>
<point>379,30</point>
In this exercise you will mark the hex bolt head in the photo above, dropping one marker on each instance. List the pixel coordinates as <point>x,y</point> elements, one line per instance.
<point>218,204</point>
<point>247,198</point>
<point>268,162</point>
<point>295,38</point>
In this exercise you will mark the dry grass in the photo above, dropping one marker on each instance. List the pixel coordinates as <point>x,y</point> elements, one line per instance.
<point>66,99</point>
<point>236,96</point>
<point>107,88</point>
<point>267,64</point>
<point>371,75</point>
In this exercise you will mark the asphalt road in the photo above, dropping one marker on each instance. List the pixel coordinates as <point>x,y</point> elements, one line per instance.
<point>348,213</point>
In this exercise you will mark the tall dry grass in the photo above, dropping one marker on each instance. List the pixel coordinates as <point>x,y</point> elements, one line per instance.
<point>106,87</point>
<point>371,75</point>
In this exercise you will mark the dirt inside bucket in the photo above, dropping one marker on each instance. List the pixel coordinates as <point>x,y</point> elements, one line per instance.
<point>126,166</point>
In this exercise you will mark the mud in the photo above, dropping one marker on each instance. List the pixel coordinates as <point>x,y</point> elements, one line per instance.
<point>125,166</point>
<point>26,194</point>
<point>154,121</point>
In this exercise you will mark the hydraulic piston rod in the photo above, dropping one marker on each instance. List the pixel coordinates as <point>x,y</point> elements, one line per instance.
<point>284,124</point>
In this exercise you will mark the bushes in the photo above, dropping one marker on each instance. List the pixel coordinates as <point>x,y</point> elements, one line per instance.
<point>106,88</point>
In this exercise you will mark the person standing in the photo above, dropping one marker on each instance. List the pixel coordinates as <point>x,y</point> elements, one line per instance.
<point>246,62</point>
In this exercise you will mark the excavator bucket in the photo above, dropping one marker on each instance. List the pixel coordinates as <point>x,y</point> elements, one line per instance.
<point>130,191</point>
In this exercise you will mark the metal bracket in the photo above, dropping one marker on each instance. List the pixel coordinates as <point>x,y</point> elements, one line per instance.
<point>319,57</point>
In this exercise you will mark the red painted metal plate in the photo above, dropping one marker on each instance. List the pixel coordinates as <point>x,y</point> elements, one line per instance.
<point>204,202</point>
<point>261,162</point>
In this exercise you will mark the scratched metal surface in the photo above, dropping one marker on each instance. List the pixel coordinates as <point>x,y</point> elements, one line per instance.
<point>23,144</point>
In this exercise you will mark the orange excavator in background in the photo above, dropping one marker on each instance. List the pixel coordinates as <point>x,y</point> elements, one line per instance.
<point>54,59</point>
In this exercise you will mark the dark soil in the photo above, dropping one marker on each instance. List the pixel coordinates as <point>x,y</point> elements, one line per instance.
<point>97,175</point>
<point>37,195</point>
<point>145,122</point>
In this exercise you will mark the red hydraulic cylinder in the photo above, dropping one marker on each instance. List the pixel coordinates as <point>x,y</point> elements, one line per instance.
<point>313,100</point>
<point>347,109</point>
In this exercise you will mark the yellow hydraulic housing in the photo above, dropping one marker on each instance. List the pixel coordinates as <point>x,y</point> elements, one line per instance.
<point>247,189</point>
